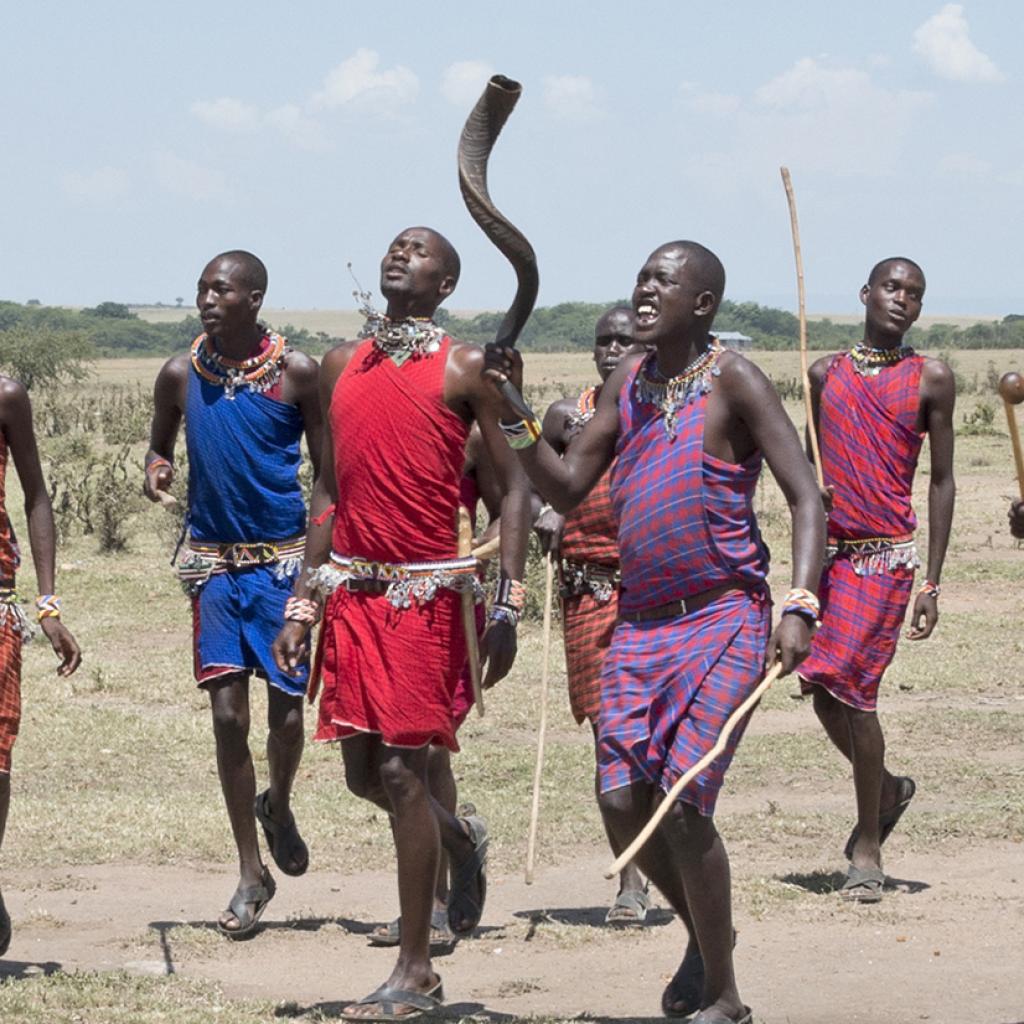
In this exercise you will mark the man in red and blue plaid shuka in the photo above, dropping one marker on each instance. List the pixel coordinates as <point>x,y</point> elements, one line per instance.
<point>873,406</point>
<point>687,426</point>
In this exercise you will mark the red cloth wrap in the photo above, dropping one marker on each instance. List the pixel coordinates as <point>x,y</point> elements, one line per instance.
<point>398,458</point>
<point>590,535</point>
<point>869,451</point>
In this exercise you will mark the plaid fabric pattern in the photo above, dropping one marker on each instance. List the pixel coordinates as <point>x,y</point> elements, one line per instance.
<point>668,545</point>
<point>591,530</point>
<point>587,628</point>
<point>861,618</point>
<point>870,447</point>
<point>10,692</point>
<point>668,687</point>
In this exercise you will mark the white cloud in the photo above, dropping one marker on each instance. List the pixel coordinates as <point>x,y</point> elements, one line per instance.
<point>359,78</point>
<point>302,131</point>
<point>227,113</point>
<point>572,97</point>
<point>188,178</point>
<point>812,84</point>
<point>464,81</point>
<point>103,185</point>
<point>716,104</point>
<point>945,44</point>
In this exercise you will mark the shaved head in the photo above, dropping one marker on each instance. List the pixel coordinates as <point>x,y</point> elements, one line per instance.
<point>253,272</point>
<point>702,264</point>
<point>883,265</point>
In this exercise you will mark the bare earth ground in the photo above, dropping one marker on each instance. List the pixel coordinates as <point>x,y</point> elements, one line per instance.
<point>117,859</point>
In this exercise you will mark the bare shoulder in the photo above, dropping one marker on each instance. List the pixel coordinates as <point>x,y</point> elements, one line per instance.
<point>14,398</point>
<point>739,374</point>
<point>300,368</point>
<point>337,358</point>
<point>937,379</point>
<point>176,368</point>
<point>819,368</point>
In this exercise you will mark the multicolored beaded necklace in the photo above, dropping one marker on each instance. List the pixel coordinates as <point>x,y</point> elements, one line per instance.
<point>869,362</point>
<point>671,394</point>
<point>259,372</point>
<point>400,340</point>
<point>586,406</point>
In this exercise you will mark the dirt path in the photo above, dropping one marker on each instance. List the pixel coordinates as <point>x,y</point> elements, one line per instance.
<point>946,945</point>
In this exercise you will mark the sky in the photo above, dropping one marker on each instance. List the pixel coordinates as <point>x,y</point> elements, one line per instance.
<point>142,138</point>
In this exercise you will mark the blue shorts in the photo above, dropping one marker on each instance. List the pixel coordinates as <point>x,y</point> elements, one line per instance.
<point>235,617</point>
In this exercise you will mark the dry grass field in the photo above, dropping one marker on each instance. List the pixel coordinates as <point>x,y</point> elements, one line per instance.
<point>118,859</point>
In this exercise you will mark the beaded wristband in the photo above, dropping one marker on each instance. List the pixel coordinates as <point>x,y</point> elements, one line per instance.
<point>511,593</point>
<point>47,607</point>
<point>802,602</point>
<point>301,609</point>
<point>931,589</point>
<point>158,463</point>
<point>522,433</point>
<point>503,613</point>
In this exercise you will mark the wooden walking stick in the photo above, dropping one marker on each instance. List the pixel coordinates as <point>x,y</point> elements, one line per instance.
<point>811,432</point>
<point>531,842</point>
<point>469,614</point>
<point>684,780</point>
<point>1011,389</point>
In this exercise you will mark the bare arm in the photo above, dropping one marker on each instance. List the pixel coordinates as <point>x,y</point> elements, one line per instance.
<point>16,412</point>
<point>756,403</point>
<point>168,410</point>
<point>291,646</point>
<point>549,524</point>
<point>939,394</point>
<point>566,481</point>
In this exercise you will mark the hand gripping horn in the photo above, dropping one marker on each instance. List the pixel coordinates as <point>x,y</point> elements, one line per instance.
<point>481,131</point>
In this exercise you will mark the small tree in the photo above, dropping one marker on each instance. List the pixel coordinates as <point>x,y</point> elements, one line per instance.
<point>39,357</point>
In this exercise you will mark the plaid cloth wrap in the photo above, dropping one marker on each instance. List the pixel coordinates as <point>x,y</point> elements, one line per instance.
<point>11,639</point>
<point>590,537</point>
<point>686,519</point>
<point>686,524</point>
<point>669,686</point>
<point>869,448</point>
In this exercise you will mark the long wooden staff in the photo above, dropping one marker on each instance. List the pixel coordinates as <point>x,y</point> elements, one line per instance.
<point>683,781</point>
<point>469,614</point>
<point>812,433</point>
<point>531,842</point>
<point>1011,389</point>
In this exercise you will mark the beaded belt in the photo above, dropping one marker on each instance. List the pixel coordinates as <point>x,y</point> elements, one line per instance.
<point>201,560</point>
<point>12,613</point>
<point>600,581</point>
<point>873,556</point>
<point>402,582</point>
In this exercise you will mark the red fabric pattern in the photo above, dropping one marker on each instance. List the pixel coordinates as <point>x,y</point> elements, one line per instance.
<point>591,531</point>
<point>10,693</point>
<point>398,459</point>
<point>9,557</point>
<point>587,628</point>
<point>869,447</point>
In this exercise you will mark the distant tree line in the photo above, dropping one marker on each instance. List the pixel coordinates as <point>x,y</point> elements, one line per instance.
<point>40,344</point>
<point>570,326</point>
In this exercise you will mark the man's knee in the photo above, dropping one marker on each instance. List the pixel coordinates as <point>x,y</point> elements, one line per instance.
<point>619,805</point>
<point>399,780</point>
<point>230,721</point>
<point>286,724</point>
<point>689,827</point>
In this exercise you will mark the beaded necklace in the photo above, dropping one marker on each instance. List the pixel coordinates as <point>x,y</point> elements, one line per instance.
<point>411,338</point>
<point>259,372</point>
<point>869,362</point>
<point>586,406</point>
<point>671,394</point>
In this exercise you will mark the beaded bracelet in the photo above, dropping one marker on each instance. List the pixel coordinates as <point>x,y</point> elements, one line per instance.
<point>47,607</point>
<point>511,593</point>
<point>301,609</point>
<point>159,463</point>
<point>930,589</point>
<point>522,433</point>
<point>800,601</point>
<point>503,613</point>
